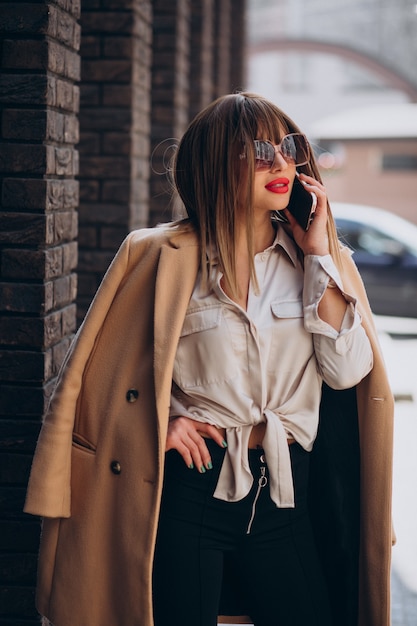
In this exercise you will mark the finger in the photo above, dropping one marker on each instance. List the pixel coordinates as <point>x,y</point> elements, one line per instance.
<point>200,454</point>
<point>214,433</point>
<point>312,181</point>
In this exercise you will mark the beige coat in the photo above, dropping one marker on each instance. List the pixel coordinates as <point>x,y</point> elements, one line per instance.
<point>98,468</point>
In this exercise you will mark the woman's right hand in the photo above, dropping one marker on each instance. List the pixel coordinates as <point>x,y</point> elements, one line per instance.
<point>184,436</point>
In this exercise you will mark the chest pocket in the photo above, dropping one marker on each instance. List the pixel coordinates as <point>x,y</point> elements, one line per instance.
<point>290,344</point>
<point>287,309</point>
<point>205,352</point>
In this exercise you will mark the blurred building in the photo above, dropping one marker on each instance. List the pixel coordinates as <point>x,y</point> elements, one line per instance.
<point>335,67</point>
<point>369,156</point>
<point>89,92</point>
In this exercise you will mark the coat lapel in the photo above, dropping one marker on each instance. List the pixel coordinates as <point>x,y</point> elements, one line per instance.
<point>176,276</point>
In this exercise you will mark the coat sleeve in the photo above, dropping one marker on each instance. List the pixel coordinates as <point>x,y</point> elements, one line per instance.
<point>49,488</point>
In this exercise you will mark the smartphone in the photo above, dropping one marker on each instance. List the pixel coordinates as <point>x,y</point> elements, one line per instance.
<point>302,203</point>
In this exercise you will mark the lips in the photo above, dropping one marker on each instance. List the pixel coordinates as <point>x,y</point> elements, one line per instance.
<point>279,185</point>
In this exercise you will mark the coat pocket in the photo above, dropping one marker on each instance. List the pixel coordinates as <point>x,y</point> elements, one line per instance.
<point>80,442</point>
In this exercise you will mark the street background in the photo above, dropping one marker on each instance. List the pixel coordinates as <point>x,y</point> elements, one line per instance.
<point>399,344</point>
<point>346,73</point>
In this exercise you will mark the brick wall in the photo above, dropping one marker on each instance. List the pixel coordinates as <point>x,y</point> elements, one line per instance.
<point>114,133</point>
<point>147,68</point>
<point>198,52</point>
<point>38,256</point>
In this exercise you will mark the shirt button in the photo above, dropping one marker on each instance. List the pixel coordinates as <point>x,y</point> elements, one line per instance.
<point>132,395</point>
<point>321,280</point>
<point>115,467</point>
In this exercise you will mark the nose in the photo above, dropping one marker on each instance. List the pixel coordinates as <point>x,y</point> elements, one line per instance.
<point>279,163</point>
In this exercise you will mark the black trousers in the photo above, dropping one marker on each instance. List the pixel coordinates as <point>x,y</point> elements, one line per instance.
<point>272,550</point>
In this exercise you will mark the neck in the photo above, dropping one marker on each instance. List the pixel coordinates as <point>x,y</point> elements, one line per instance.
<point>263,236</point>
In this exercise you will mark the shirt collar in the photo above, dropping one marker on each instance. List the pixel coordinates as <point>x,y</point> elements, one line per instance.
<point>282,240</point>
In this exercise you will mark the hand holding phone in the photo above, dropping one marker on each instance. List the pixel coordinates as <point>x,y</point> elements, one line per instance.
<point>302,203</point>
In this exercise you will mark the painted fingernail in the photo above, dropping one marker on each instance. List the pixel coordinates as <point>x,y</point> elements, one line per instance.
<point>224,443</point>
<point>202,469</point>
<point>209,465</point>
<point>191,466</point>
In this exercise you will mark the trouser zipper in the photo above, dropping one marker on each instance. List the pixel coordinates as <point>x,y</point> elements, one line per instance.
<point>262,482</point>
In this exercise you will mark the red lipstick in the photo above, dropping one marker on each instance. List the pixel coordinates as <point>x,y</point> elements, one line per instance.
<point>279,185</point>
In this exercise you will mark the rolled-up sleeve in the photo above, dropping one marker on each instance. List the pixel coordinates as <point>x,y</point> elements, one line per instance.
<point>344,357</point>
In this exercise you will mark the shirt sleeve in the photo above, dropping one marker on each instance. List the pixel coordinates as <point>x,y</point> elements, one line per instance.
<point>344,357</point>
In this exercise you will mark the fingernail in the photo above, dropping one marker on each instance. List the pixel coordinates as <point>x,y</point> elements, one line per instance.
<point>202,469</point>
<point>224,443</point>
<point>191,466</point>
<point>209,465</point>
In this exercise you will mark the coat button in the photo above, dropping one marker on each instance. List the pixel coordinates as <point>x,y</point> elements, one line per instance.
<point>132,395</point>
<point>115,467</point>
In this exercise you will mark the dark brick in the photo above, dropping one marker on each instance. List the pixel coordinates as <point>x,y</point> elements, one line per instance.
<point>23,158</point>
<point>26,54</point>
<point>88,236</point>
<point>112,237</point>
<point>116,143</point>
<point>90,47</point>
<point>20,400</point>
<point>24,194</point>
<point>34,194</point>
<point>108,118</point>
<point>25,365</point>
<point>106,71</point>
<point>117,47</point>
<point>29,125</point>
<point>89,143</point>
<point>115,191</point>
<point>26,332</point>
<point>89,190</point>
<point>18,601</point>
<point>18,569</point>
<point>14,469</point>
<point>110,214</point>
<point>89,96</point>
<point>117,95</point>
<point>29,264</point>
<point>102,167</point>
<point>22,17</point>
<point>26,228</point>
<point>107,22</point>
<point>95,260</point>
<point>20,536</point>
<point>26,298</point>
<point>24,89</point>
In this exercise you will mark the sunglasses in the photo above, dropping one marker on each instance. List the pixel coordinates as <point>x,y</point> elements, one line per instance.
<point>294,148</point>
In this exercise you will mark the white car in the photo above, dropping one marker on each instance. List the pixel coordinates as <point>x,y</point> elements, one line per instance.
<point>385,251</point>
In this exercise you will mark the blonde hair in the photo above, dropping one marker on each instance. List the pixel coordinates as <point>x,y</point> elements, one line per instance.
<point>210,174</point>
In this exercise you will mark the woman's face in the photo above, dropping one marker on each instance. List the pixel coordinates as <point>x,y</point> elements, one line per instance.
<point>272,187</point>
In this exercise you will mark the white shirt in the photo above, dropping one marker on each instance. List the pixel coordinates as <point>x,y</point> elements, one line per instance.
<point>236,368</point>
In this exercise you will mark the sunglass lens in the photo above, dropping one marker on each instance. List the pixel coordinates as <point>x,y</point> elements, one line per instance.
<point>264,154</point>
<point>295,149</point>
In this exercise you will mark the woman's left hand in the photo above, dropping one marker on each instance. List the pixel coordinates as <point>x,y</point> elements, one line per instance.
<point>314,240</point>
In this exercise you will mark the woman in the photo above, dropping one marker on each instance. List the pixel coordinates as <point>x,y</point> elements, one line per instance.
<point>202,359</point>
